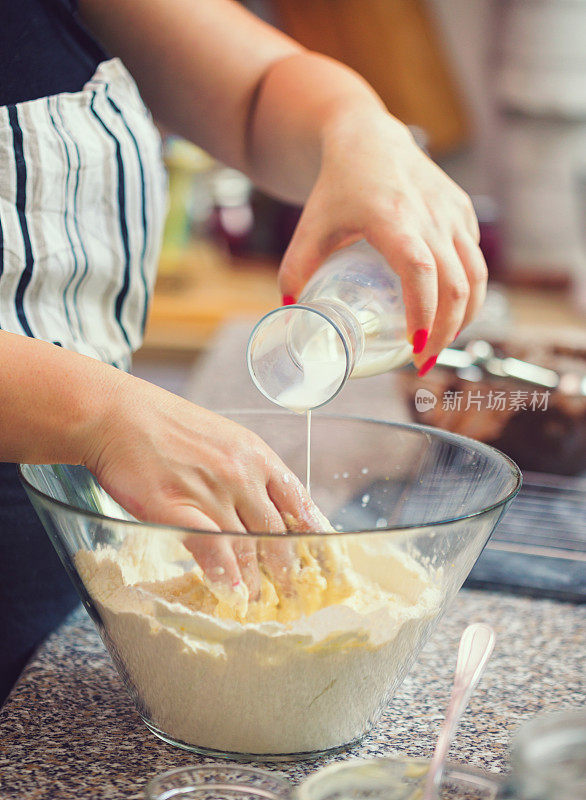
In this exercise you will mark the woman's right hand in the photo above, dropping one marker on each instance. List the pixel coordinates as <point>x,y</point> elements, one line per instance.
<point>169,461</point>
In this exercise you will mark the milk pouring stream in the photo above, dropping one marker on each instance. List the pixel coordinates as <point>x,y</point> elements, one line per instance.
<point>349,322</point>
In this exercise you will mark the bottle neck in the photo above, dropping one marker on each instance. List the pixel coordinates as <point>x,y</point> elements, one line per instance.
<point>347,327</point>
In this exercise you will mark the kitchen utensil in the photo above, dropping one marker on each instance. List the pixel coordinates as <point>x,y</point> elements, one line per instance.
<point>476,645</point>
<point>481,354</point>
<point>542,429</point>
<point>281,690</point>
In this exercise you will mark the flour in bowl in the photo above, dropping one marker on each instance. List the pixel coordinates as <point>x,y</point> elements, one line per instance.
<point>307,667</point>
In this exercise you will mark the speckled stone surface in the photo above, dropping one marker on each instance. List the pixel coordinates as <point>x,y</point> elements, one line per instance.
<point>69,730</point>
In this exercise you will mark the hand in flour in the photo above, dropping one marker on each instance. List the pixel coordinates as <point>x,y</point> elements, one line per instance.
<point>376,183</point>
<point>167,460</point>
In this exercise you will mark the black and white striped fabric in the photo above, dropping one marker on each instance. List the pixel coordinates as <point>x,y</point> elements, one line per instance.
<point>82,206</point>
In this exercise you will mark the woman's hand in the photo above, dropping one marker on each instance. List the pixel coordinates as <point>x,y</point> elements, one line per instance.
<point>310,130</point>
<point>169,461</point>
<point>159,456</point>
<point>376,183</point>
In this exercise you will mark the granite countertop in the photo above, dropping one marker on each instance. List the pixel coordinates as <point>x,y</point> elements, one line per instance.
<point>69,730</point>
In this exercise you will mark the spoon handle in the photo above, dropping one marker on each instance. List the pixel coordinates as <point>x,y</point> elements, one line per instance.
<point>476,645</point>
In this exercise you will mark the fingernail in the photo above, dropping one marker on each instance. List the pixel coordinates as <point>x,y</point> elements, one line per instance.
<point>420,340</point>
<point>427,366</point>
<point>288,300</point>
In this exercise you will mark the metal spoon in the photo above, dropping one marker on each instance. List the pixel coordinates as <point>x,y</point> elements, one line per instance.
<point>476,645</point>
<point>479,355</point>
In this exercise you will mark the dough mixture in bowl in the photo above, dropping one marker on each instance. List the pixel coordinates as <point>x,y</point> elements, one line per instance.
<point>307,666</point>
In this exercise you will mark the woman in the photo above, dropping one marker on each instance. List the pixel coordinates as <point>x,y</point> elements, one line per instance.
<point>81,211</point>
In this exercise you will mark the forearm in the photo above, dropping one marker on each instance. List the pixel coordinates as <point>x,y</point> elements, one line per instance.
<point>248,94</point>
<point>197,63</point>
<point>51,401</point>
<point>301,103</point>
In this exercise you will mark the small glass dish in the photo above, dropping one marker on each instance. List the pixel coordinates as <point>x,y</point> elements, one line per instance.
<point>218,783</point>
<point>395,778</point>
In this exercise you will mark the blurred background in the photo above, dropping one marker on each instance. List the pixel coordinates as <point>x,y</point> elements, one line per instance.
<point>495,92</point>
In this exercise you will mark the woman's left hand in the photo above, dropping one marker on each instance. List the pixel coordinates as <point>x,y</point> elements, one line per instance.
<point>376,183</point>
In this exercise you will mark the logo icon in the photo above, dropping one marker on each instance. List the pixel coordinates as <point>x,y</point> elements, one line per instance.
<point>425,400</point>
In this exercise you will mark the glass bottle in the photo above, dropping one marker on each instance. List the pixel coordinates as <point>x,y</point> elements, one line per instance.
<point>349,322</point>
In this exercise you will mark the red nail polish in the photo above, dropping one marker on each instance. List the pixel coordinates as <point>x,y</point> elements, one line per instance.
<point>427,366</point>
<point>420,340</point>
<point>288,299</point>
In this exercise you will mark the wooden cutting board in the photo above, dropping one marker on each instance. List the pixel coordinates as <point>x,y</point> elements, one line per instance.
<point>394,44</point>
<point>205,289</point>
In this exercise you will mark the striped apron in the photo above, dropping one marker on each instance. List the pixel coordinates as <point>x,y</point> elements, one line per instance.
<point>82,205</point>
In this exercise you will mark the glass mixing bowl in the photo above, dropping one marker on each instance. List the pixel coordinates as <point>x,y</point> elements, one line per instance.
<point>343,616</point>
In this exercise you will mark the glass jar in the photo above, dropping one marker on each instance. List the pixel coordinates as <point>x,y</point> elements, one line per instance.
<point>349,322</point>
<point>549,758</point>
